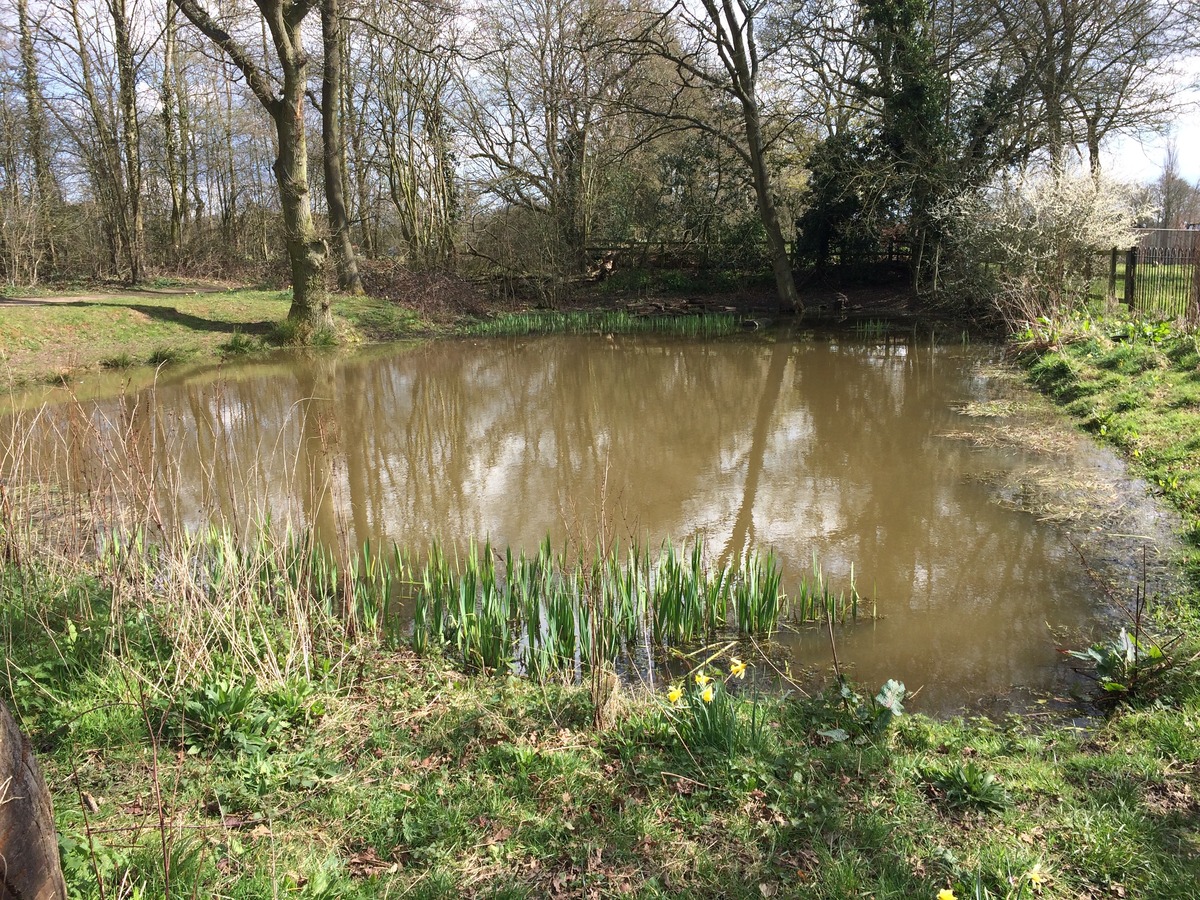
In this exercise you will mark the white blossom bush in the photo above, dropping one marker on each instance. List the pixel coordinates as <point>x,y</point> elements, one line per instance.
<point>1031,242</point>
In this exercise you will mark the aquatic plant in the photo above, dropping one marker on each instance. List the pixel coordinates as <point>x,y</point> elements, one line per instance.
<point>872,328</point>
<point>550,614</point>
<point>1132,663</point>
<point>814,601</point>
<point>547,615</point>
<point>757,597</point>
<point>605,322</point>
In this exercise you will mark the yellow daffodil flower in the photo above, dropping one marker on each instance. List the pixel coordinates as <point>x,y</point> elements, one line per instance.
<point>707,694</point>
<point>702,679</point>
<point>674,694</point>
<point>737,669</point>
<point>946,894</point>
<point>1037,876</point>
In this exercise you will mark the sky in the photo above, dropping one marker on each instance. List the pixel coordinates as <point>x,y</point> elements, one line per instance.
<point>1140,161</point>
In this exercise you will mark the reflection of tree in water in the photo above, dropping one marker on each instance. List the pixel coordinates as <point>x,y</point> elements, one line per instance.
<point>800,446</point>
<point>318,450</point>
<point>964,582</point>
<point>742,538</point>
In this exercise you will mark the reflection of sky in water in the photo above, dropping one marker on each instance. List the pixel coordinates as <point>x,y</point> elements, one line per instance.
<point>833,450</point>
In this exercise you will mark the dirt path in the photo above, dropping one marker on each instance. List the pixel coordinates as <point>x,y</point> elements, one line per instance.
<point>188,290</point>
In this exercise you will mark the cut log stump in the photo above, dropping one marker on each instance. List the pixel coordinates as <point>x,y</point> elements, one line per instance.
<point>29,868</point>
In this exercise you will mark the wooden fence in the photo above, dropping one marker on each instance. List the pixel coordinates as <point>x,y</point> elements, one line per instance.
<point>1160,274</point>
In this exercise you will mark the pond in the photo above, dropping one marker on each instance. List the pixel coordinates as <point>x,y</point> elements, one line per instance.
<point>922,470</point>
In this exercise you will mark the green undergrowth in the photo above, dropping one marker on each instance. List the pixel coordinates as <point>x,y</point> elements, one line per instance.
<point>1135,385</point>
<point>211,731</point>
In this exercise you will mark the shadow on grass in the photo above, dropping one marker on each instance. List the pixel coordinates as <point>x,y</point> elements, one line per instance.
<point>186,320</point>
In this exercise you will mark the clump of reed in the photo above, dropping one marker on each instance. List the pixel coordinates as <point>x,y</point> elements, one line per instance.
<point>872,328</point>
<point>275,605</point>
<point>815,601</point>
<point>264,599</point>
<point>550,614</point>
<point>606,322</point>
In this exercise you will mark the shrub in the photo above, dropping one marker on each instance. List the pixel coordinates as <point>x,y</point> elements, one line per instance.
<point>1029,242</point>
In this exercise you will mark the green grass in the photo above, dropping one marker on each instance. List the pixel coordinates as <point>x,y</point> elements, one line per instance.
<point>1135,386</point>
<point>371,772</point>
<point>42,342</point>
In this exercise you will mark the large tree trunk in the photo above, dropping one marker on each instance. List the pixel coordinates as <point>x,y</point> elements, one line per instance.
<point>29,868</point>
<point>171,138</point>
<point>742,65</point>
<point>306,251</point>
<point>335,149</point>
<point>781,263</point>
<point>730,28</point>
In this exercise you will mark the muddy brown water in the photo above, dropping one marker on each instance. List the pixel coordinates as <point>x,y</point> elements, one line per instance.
<point>961,506</point>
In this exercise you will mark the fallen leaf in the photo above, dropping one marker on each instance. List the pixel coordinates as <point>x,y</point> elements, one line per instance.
<point>368,864</point>
<point>499,836</point>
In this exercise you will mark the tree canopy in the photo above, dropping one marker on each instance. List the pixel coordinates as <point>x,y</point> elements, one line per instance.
<point>530,138</point>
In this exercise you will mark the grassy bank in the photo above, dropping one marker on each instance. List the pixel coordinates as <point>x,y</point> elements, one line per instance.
<point>1135,386</point>
<point>54,338</point>
<point>59,338</point>
<point>51,336</point>
<point>212,724</point>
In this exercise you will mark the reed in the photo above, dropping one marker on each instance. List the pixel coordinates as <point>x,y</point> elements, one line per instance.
<point>757,596</point>
<point>277,602</point>
<point>815,601</point>
<point>551,615</point>
<point>605,322</point>
<point>872,328</point>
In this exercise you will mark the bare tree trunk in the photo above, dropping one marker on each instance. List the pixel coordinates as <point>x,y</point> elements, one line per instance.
<point>107,170</point>
<point>781,263</point>
<point>363,212</point>
<point>170,134</point>
<point>29,867</point>
<point>740,56</point>
<point>306,251</point>
<point>46,191</point>
<point>131,137</point>
<point>726,28</point>
<point>335,149</point>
